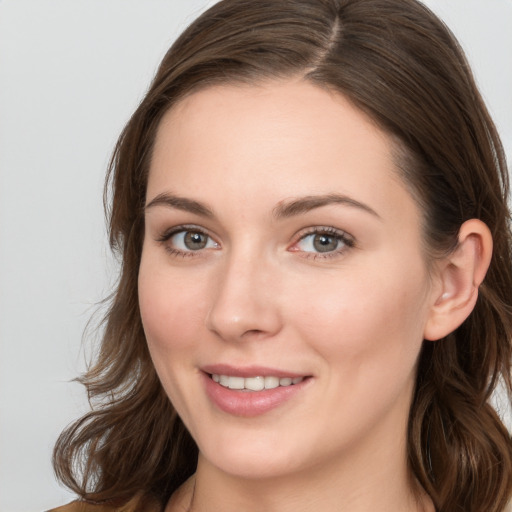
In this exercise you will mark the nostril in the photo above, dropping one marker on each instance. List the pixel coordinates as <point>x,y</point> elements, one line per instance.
<point>252,332</point>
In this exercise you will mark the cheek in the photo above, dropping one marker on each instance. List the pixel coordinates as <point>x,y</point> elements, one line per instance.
<point>361,319</point>
<point>368,333</point>
<point>171,312</point>
<point>171,309</point>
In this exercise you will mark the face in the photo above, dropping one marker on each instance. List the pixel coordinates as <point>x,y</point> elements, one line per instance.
<point>282,287</point>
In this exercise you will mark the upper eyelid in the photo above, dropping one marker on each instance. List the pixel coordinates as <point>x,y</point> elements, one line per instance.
<point>323,229</point>
<point>346,238</point>
<point>302,232</point>
<point>168,233</point>
<point>298,236</point>
<point>165,237</point>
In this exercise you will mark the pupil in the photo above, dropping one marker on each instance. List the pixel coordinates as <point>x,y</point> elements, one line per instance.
<point>195,241</point>
<point>325,243</point>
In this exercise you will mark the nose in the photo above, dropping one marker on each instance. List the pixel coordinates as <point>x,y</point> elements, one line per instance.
<point>245,300</point>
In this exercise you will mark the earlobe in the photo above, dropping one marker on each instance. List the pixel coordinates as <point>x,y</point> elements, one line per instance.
<point>458,278</point>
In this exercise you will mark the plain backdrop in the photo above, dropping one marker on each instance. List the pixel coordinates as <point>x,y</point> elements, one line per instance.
<point>71,73</point>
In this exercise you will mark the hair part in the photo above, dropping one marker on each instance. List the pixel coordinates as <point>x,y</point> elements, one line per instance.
<point>397,63</point>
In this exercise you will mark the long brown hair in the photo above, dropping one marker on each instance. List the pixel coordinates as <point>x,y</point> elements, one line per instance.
<point>399,64</point>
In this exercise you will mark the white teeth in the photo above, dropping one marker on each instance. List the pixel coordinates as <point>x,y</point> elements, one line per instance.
<point>271,382</point>
<point>236,383</point>
<point>254,383</point>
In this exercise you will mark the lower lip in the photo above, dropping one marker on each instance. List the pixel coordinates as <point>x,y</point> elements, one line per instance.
<point>250,403</point>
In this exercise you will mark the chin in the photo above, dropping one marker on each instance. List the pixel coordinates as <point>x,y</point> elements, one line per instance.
<point>254,457</point>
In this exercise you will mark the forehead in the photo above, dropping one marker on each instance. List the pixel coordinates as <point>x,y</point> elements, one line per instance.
<point>279,139</point>
<point>271,117</point>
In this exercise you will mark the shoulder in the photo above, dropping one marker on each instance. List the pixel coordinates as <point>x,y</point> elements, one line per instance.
<point>82,506</point>
<point>137,504</point>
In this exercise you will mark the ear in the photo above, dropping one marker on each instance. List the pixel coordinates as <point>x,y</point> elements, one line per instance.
<point>459,275</point>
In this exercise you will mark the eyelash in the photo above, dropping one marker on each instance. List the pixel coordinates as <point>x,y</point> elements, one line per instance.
<point>168,234</point>
<point>341,236</point>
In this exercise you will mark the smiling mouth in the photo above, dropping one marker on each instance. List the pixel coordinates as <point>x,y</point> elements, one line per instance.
<point>257,383</point>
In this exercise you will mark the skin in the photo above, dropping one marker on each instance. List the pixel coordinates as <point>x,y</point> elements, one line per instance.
<point>352,319</point>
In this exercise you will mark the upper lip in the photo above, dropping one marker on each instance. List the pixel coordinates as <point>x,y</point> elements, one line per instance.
<point>248,371</point>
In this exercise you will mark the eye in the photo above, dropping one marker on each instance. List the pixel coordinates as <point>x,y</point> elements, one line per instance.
<point>185,241</point>
<point>324,241</point>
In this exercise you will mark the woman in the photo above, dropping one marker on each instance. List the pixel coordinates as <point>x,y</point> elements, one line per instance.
<point>314,302</point>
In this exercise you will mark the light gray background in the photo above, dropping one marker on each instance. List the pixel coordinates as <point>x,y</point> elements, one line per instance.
<point>71,73</point>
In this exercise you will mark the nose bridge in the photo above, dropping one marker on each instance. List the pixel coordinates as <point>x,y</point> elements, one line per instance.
<point>244,301</point>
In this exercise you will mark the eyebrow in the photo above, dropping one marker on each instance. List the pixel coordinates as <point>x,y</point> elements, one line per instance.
<point>180,203</point>
<point>281,211</point>
<point>308,203</point>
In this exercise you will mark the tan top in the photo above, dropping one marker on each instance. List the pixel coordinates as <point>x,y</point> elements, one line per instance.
<point>136,504</point>
<point>180,502</point>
